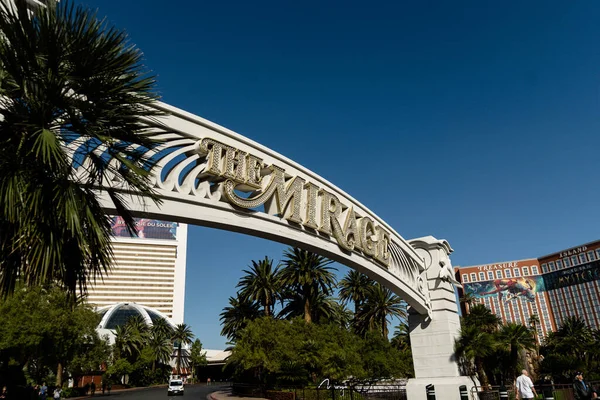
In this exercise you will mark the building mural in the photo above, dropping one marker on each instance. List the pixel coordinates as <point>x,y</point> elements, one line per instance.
<point>508,289</point>
<point>147,229</point>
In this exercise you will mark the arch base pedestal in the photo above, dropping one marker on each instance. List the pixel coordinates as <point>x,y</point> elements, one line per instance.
<point>445,388</point>
<point>432,339</point>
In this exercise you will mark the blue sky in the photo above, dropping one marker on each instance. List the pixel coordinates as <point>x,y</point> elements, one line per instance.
<point>478,124</point>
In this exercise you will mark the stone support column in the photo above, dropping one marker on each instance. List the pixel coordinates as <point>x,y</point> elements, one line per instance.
<point>432,339</point>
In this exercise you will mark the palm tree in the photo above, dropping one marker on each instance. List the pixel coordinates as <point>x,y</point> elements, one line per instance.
<point>354,287</point>
<point>467,299</point>
<point>74,115</point>
<point>261,284</point>
<point>236,316</point>
<point>323,308</point>
<point>182,336</point>
<point>160,327</point>
<point>138,326</point>
<point>159,340</point>
<point>161,348</point>
<point>573,337</point>
<point>341,315</point>
<point>309,274</point>
<point>472,345</point>
<point>401,339</point>
<point>128,343</point>
<point>515,338</point>
<point>481,317</point>
<point>381,304</point>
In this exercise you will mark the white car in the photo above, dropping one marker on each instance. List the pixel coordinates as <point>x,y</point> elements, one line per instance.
<point>175,387</point>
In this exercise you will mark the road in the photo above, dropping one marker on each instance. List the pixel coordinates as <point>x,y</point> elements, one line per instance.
<point>191,392</point>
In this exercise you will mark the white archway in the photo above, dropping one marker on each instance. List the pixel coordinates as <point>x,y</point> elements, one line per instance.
<point>210,176</point>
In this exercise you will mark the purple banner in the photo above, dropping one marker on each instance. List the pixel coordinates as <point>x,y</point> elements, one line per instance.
<point>147,229</point>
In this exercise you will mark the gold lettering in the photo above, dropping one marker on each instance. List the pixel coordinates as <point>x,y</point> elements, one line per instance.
<point>351,233</point>
<point>244,173</point>
<point>311,205</point>
<point>253,202</point>
<point>367,231</point>
<point>286,194</point>
<point>330,208</point>
<point>214,150</point>
<point>383,240</point>
<point>276,191</point>
<point>235,161</point>
<point>253,167</point>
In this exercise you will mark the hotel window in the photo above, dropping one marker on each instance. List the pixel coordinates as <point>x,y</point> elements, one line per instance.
<point>582,258</point>
<point>465,278</point>
<point>473,277</point>
<point>559,264</point>
<point>534,269</point>
<point>567,262</point>
<point>490,275</point>
<point>574,260</point>
<point>525,271</point>
<point>591,255</point>
<point>598,253</point>
<point>498,274</point>
<point>551,266</point>
<point>482,276</point>
<point>507,273</point>
<point>517,272</point>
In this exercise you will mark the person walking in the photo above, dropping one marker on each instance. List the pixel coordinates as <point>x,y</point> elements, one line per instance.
<point>524,386</point>
<point>57,393</point>
<point>582,390</point>
<point>43,391</point>
<point>4,393</point>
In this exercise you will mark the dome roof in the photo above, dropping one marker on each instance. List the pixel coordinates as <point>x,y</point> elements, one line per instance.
<point>118,315</point>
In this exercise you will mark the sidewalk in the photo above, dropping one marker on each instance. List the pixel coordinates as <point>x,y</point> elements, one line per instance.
<point>112,392</point>
<point>226,395</point>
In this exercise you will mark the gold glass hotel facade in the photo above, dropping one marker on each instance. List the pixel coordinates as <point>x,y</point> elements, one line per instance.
<point>148,268</point>
<point>544,290</point>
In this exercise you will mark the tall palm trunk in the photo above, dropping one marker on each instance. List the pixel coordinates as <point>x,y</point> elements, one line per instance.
<point>59,373</point>
<point>179,359</point>
<point>267,307</point>
<point>481,372</point>
<point>307,316</point>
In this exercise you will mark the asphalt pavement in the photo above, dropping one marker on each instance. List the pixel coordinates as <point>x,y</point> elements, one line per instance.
<point>199,392</point>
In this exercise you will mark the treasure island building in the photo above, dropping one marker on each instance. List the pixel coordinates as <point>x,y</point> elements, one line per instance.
<point>539,291</point>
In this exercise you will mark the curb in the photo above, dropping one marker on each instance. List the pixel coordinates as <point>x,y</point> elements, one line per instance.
<point>99,394</point>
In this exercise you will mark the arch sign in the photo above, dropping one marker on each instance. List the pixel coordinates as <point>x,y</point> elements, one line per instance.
<point>208,175</point>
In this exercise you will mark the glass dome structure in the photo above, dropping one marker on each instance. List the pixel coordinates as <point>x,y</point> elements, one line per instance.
<point>118,315</point>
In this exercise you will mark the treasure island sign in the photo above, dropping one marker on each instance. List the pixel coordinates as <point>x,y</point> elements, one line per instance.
<point>287,196</point>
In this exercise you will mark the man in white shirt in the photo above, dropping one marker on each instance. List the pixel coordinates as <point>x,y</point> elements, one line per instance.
<point>524,386</point>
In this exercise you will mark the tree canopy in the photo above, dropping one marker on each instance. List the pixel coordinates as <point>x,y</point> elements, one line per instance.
<point>43,330</point>
<point>73,93</point>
